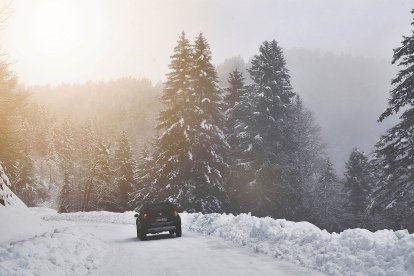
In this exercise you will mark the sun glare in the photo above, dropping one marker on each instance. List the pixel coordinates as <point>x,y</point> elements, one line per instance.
<point>57,30</point>
<point>57,40</point>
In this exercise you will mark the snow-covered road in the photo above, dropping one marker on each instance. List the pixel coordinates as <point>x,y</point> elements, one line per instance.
<point>105,243</point>
<point>192,254</point>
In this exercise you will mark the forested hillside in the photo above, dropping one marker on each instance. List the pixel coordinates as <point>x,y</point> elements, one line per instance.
<point>245,144</point>
<point>55,135</point>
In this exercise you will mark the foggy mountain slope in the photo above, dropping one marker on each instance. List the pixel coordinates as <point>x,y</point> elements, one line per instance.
<point>346,94</point>
<point>113,106</point>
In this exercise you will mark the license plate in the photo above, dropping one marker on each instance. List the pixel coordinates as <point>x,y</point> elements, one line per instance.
<point>161,219</point>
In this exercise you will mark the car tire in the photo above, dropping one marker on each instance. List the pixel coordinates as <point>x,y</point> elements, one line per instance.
<point>171,232</point>
<point>178,231</point>
<point>142,235</point>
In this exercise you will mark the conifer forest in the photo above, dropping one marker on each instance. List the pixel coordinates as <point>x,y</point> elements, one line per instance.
<point>213,137</point>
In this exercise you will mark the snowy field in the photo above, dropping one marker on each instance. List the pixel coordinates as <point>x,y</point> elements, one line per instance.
<point>104,243</point>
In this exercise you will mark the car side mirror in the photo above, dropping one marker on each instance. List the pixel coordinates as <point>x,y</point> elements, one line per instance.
<point>136,215</point>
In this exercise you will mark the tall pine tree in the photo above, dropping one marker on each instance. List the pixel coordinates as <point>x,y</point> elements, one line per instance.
<point>237,109</point>
<point>395,149</point>
<point>234,106</point>
<point>358,182</point>
<point>28,187</point>
<point>190,150</point>
<point>266,139</point>
<point>142,190</point>
<point>124,171</point>
<point>326,199</point>
<point>306,155</point>
<point>208,145</point>
<point>65,149</point>
<point>172,154</point>
<point>99,193</point>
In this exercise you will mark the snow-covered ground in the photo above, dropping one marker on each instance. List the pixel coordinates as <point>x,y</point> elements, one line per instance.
<point>192,254</point>
<point>32,246</point>
<point>16,221</point>
<point>352,252</point>
<point>65,250</point>
<point>104,243</point>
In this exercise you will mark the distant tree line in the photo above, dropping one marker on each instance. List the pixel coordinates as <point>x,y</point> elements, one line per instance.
<point>72,160</point>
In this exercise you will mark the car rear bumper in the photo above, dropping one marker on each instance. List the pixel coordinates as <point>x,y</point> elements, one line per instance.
<point>161,229</point>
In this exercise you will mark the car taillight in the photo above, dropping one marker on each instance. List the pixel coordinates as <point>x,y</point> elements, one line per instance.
<point>175,213</point>
<point>145,216</point>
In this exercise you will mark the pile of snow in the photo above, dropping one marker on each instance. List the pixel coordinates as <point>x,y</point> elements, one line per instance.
<point>95,216</point>
<point>17,222</point>
<point>31,246</point>
<point>59,252</point>
<point>351,252</point>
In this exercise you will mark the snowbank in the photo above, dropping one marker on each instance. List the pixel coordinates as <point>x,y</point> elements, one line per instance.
<point>16,220</point>
<point>31,246</point>
<point>63,251</point>
<point>95,216</point>
<point>352,252</point>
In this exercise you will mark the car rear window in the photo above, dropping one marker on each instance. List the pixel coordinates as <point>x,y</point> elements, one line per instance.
<point>163,207</point>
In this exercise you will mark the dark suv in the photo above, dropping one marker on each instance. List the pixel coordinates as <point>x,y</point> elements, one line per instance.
<point>156,218</point>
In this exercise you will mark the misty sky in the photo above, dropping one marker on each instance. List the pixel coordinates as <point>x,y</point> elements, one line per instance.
<point>101,39</point>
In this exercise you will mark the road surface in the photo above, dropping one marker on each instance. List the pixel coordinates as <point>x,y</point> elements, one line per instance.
<point>192,254</point>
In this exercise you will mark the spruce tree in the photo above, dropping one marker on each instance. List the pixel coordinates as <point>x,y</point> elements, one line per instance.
<point>172,156</point>
<point>189,151</point>
<point>66,202</point>
<point>237,109</point>
<point>327,199</point>
<point>52,172</point>
<point>209,146</point>
<point>306,153</point>
<point>99,193</point>
<point>65,149</point>
<point>86,153</point>
<point>26,184</point>
<point>234,105</point>
<point>234,90</point>
<point>326,180</point>
<point>358,182</point>
<point>144,183</point>
<point>267,135</point>
<point>124,171</point>
<point>395,149</point>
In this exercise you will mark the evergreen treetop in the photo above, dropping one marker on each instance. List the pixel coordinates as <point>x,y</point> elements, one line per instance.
<point>403,92</point>
<point>395,149</point>
<point>358,181</point>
